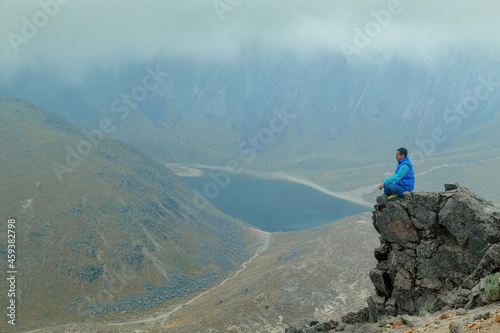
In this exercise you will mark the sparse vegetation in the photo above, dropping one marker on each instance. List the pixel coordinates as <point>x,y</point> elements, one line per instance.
<point>492,286</point>
<point>381,321</point>
<point>427,307</point>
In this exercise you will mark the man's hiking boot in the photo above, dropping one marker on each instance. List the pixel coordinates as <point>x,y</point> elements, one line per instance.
<point>392,197</point>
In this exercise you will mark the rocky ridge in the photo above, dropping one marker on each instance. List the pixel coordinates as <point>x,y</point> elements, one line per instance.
<point>436,249</point>
<point>482,319</point>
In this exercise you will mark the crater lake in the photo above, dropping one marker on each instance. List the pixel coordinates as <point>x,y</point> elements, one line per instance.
<point>273,205</point>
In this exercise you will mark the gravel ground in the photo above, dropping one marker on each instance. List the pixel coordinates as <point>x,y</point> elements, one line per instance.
<point>484,319</point>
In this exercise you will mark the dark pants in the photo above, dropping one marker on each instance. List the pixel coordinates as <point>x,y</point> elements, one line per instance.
<point>394,189</point>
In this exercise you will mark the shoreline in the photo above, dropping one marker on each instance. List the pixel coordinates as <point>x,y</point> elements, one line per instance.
<point>196,170</point>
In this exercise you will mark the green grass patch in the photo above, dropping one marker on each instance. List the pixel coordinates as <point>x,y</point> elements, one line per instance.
<point>492,286</point>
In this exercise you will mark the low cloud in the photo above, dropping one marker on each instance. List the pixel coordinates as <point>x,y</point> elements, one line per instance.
<point>75,35</point>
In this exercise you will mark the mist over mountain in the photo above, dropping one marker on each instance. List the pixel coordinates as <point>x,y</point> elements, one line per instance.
<point>323,92</point>
<point>284,114</point>
<point>312,89</point>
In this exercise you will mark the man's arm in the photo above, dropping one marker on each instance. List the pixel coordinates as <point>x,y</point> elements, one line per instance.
<point>397,176</point>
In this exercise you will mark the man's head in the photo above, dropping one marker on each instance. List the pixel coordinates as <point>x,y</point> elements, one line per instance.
<point>401,153</point>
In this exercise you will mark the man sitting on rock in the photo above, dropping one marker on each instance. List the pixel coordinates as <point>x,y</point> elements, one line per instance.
<point>402,180</point>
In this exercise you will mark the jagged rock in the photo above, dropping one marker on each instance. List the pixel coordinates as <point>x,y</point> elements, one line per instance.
<point>308,330</point>
<point>367,328</point>
<point>482,315</point>
<point>475,299</point>
<point>301,323</point>
<point>333,323</point>
<point>450,186</point>
<point>381,281</point>
<point>410,321</point>
<point>454,327</point>
<point>361,316</point>
<point>454,297</point>
<point>489,264</point>
<point>342,327</point>
<point>435,248</point>
<point>347,329</point>
<point>325,327</point>
<point>320,327</point>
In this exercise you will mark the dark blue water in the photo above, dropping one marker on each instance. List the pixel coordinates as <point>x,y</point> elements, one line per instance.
<point>273,205</point>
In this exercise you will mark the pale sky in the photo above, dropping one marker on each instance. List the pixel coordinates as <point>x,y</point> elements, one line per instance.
<point>74,35</point>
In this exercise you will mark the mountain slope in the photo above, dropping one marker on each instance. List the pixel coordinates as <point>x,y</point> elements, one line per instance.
<point>332,123</point>
<point>322,272</point>
<point>101,231</point>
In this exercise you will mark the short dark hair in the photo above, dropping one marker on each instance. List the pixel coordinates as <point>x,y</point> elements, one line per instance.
<point>403,151</point>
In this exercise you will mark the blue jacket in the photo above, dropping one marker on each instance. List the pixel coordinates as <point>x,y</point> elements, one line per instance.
<point>408,181</point>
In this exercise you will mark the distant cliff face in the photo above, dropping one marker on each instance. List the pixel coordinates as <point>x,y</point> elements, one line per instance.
<point>315,118</point>
<point>279,110</point>
<point>435,248</point>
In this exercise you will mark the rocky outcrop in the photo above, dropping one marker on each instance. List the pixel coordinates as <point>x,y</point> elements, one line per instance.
<point>435,248</point>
